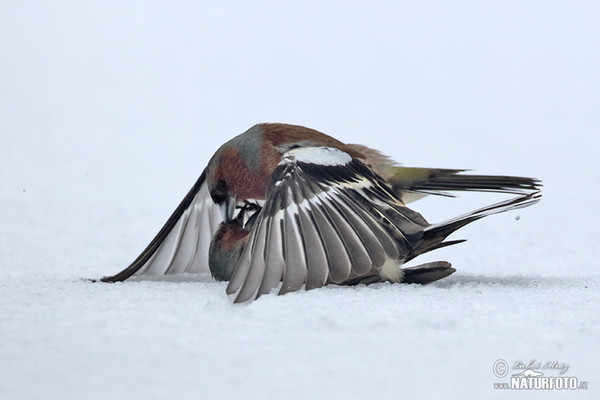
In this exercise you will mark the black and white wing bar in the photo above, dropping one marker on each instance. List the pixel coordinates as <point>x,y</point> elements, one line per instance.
<point>327,218</point>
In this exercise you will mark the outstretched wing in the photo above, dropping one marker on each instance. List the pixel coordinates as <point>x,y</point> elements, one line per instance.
<point>182,243</point>
<point>327,218</point>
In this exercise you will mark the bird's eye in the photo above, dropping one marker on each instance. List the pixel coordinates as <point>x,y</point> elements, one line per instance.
<point>221,185</point>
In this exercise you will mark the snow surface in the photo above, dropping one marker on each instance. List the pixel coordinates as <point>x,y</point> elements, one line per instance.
<point>110,110</point>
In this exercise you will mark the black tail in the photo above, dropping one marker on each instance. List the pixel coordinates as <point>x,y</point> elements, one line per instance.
<point>442,181</point>
<point>434,235</point>
<point>427,273</point>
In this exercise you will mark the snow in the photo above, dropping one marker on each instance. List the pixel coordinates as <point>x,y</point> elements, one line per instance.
<point>110,110</point>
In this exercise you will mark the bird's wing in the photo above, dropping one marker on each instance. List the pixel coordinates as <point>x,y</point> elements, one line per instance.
<point>182,243</point>
<point>327,218</point>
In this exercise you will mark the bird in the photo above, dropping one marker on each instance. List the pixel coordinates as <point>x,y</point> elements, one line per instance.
<point>284,207</point>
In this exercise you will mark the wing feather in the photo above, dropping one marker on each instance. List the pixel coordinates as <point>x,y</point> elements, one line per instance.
<point>256,269</point>
<point>366,235</point>
<point>360,261</point>
<point>294,274</point>
<point>373,218</point>
<point>330,223</point>
<point>273,256</point>
<point>338,259</point>
<point>182,243</point>
<point>315,253</point>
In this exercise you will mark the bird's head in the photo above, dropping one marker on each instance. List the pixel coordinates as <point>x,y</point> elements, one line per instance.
<point>238,173</point>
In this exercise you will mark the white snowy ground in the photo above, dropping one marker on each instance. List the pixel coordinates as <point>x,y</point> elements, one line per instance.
<point>110,110</point>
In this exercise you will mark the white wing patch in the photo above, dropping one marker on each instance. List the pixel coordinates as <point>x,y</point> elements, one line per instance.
<point>326,156</point>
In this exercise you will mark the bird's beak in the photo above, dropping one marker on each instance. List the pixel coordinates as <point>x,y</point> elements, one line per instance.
<point>227,208</point>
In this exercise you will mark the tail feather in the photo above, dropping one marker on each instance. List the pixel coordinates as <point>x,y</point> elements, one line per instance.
<point>434,235</point>
<point>427,273</point>
<point>413,183</point>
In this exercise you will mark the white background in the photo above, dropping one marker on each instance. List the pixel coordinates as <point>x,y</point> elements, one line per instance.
<point>109,111</point>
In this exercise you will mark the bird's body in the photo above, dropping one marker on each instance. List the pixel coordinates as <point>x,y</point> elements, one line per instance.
<point>287,206</point>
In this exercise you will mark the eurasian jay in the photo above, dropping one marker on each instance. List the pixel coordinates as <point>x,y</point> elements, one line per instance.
<point>284,206</point>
